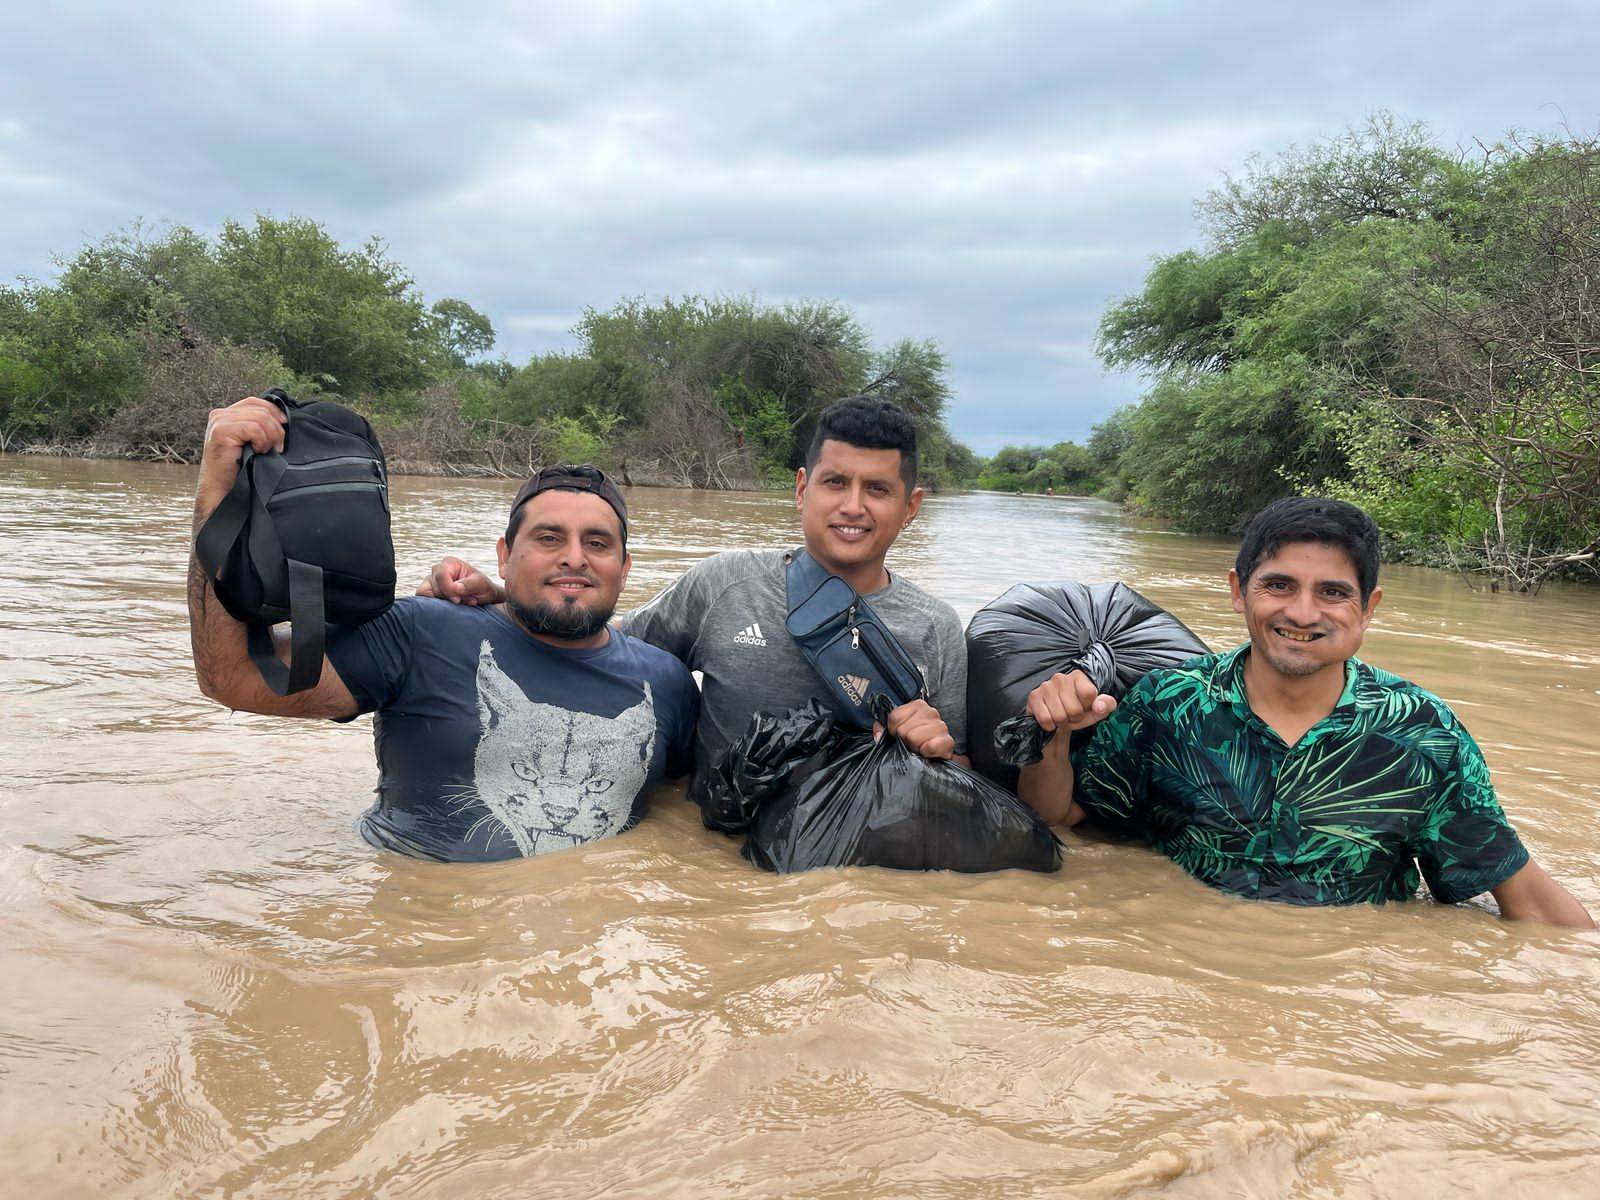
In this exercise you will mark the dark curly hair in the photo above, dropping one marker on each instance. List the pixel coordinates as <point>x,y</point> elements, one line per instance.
<point>868,423</point>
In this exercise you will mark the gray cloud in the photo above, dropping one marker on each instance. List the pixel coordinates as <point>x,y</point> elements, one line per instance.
<point>989,175</point>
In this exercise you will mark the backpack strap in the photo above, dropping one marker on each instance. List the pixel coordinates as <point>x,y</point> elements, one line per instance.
<point>259,476</point>
<point>214,542</point>
<point>307,639</point>
<point>802,576</point>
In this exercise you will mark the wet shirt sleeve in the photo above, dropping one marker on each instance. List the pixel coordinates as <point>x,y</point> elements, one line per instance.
<point>1110,775</point>
<point>1466,845</point>
<point>671,619</point>
<point>375,659</point>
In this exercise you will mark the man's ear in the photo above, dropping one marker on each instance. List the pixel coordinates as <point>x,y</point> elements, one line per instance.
<point>1237,588</point>
<point>503,550</point>
<point>913,505</point>
<point>800,487</point>
<point>1372,607</point>
<point>627,565</point>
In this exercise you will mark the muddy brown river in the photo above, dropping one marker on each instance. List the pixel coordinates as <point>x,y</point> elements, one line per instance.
<point>212,987</point>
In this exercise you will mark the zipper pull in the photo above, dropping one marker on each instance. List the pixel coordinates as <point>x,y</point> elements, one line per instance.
<point>855,638</point>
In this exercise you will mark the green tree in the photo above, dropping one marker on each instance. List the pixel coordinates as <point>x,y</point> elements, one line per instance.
<point>1379,319</point>
<point>351,317</point>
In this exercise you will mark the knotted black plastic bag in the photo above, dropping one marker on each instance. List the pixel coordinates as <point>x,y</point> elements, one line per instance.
<point>1036,630</point>
<point>818,795</point>
<point>777,749</point>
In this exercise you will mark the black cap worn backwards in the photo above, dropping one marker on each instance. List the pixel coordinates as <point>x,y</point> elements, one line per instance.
<point>569,478</point>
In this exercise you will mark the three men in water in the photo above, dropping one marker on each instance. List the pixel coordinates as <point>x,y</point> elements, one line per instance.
<point>1288,769</point>
<point>513,721</point>
<point>510,729</point>
<point>725,616</point>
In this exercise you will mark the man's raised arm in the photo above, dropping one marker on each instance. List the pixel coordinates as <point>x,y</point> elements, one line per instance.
<point>221,652</point>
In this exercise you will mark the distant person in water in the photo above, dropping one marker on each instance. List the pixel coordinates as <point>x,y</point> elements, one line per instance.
<point>725,616</point>
<point>1287,769</point>
<point>513,729</point>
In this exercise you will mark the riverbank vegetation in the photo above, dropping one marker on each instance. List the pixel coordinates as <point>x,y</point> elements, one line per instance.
<point>1413,328</point>
<point>139,337</point>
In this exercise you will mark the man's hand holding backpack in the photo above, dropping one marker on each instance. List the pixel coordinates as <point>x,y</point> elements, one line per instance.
<point>292,524</point>
<point>253,422</point>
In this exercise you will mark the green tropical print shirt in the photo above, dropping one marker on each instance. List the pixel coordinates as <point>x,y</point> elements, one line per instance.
<point>1388,780</point>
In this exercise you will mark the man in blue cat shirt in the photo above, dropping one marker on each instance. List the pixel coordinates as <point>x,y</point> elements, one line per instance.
<point>508,730</point>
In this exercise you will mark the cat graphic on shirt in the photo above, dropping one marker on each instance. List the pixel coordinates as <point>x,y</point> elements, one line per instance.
<point>553,777</point>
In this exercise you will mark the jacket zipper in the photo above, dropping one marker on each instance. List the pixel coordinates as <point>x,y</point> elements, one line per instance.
<point>884,668</point>
<point>344,460</point>
<point>310,489</point>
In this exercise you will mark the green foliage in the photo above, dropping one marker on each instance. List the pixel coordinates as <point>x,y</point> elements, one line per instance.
<point>714,392</point>
<point>351,316</point>
<point>1378,319</point>
<point>1066,467</point>
<point>943,462</point>
<point>759,421</point>
<point>705,392</point>
<point>63,370</point>
<point>1211,453</point>
<point>75,353</point>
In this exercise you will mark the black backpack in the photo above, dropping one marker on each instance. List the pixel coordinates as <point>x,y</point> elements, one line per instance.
<point>303,536</point>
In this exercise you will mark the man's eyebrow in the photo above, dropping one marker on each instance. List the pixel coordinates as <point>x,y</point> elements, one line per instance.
<point>589,531</point>
<point>1343,585</point>
<point>881,480</point>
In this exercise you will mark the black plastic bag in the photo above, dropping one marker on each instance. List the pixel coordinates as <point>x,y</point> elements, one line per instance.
<point>777,750</point>
<point>1035,630</point>
<point>817,794</point>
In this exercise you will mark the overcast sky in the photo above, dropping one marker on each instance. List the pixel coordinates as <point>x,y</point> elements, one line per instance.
<point>986,175</point>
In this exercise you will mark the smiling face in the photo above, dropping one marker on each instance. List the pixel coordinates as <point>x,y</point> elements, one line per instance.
<point>1303,608</point>
<point>565,567</point>
<point>853,503</point>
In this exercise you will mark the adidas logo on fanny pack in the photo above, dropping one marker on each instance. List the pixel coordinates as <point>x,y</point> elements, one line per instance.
<point>855,687</point>
<point>750,635</point>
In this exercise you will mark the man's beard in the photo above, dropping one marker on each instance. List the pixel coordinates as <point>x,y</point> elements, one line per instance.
<point>1288,664</point>
<point>1294,667</point>
<point>569,622</point>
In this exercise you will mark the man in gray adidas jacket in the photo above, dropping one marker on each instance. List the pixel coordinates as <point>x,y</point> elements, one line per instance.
<point>725,616</point>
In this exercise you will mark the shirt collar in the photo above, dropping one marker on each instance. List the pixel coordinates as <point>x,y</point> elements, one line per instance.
<point>1228,685</point>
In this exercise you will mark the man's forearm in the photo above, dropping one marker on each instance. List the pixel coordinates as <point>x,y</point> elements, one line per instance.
<point>216,639</point>
<point>1532,895</point>
<point>221,645</point>
<point>1046,786</point>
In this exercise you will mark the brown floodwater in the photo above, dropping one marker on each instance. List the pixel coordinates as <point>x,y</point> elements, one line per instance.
<point>211,986</point>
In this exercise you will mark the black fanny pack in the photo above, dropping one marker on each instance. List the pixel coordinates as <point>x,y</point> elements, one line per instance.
<point>852,651</point>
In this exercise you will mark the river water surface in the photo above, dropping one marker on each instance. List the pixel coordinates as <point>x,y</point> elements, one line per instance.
<point>211,986</point>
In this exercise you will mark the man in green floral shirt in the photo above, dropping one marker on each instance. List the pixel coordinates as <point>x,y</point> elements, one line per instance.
<point>1287,769</point>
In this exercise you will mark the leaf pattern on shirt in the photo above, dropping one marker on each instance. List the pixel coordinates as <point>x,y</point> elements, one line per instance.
<point>1388,782</point>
